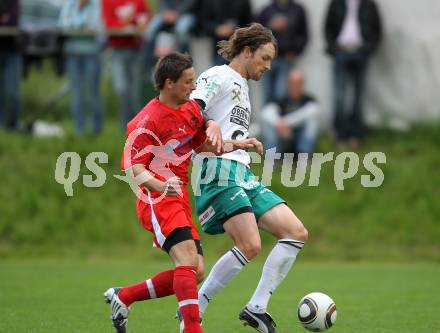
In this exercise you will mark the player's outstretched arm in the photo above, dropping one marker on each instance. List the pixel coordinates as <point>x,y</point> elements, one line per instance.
<point>231,145</point>
<point>246,144</point>
<point>208,149</point>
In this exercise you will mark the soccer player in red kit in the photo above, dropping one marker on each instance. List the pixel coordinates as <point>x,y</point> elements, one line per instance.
<point>161,139</point>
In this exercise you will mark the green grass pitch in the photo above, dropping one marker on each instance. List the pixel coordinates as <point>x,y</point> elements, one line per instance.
<point>57,296</point>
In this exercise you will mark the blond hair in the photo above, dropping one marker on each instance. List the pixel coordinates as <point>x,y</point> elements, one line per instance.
<point>253,36</point>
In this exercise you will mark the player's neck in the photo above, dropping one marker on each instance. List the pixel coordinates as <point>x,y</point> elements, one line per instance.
<point>168,101</point>
<point>239,67</point>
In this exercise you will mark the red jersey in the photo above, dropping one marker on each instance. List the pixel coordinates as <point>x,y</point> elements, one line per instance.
<point>162,138</point>
<point>121,13</point>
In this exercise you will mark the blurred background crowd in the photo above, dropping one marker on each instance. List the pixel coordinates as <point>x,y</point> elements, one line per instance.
<point>319,81</point>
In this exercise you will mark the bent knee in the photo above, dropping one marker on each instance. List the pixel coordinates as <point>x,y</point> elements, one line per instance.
<point>191,259</point>
<point>250,250</point>
<point>194,260</point>
<point>296,231</point>
<point>301,234</point>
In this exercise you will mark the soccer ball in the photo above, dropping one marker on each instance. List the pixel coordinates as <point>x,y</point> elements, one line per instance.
<point>317,312</point>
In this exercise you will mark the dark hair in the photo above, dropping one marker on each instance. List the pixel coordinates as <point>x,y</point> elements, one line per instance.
<point>253,36</point>
<point>171,67</point>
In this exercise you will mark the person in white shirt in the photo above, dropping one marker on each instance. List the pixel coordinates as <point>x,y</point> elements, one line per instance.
<point>233,202</point>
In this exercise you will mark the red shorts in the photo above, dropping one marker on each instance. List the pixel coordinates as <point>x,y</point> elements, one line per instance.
<point>161,217</point>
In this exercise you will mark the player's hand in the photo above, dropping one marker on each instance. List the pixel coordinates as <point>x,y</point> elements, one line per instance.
<point>214,135</point>
<point>173,187</point>
<point>256,144</point>
<point>247,144</point>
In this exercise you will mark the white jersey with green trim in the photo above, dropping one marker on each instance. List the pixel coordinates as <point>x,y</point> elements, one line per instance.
<point>226,96</point>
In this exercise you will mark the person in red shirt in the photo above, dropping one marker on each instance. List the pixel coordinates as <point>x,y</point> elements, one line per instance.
<point>125,22</point>
<point>160,141</point>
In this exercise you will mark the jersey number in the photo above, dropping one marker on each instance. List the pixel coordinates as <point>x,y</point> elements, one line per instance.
<point>237,135</point>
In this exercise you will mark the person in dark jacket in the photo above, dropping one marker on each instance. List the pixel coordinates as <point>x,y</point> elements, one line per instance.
<point>352,32</point>
<point>288,22</point>
<point>10,64</point>
<point>221,17</point>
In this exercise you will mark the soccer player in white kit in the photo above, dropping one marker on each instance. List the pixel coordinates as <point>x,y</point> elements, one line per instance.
<point>233,202</point>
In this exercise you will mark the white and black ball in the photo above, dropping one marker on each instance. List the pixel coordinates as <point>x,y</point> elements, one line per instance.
<point>317,312</point>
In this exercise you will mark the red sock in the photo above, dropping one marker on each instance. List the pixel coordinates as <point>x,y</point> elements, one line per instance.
<point>160,285</point>
<point>185,288</point>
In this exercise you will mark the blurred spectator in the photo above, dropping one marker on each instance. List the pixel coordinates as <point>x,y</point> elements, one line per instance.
<point>352,31</point>
<point>221,17</point>
<point>126,21</point>
<point>81,20</point>
<point>288,22</point>
<point>292,125</point>
<point>176,15</point>
<point>10,64</point>
<point>39,20</point>
<point>40,14</point>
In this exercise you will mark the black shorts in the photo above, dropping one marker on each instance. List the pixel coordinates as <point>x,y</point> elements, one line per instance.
<point>179,235</point>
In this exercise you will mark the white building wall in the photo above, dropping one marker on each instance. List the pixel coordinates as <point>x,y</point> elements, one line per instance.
<point>404,73</point>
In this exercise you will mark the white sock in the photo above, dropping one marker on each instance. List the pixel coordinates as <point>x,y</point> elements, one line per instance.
<point>275,269</point>
<point>224,270</point>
